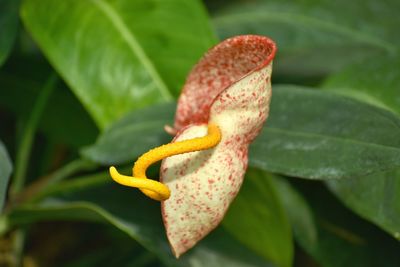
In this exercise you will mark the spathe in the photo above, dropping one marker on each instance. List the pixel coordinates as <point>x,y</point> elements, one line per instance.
<point>231,88</point>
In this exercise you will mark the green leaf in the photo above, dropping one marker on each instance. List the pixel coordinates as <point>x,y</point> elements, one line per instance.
<point>136,216</point>
<point>5,172</point>
<point>134,134</point>
<point>316,37</point>
<point>318,135</point>
<point>121,55</point>
<point>130,253</point>
<point>375,197</point>
<point>309,134</point>
<point>343,238</point>
<point>376,82</point>
<point>8,26</point>
<point>298,211</point>
<point>257,219</point>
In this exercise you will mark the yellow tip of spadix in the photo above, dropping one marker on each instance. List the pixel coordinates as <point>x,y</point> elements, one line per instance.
<point>151,188</point>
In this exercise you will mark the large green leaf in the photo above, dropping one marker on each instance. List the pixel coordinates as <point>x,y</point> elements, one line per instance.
<point>374,197</point>
<point>309,134</point>
<point>138,217</point>
<point>257,219</point>
<point>374,81</point>
<point>5,171</point>
<point>119,55</point>
<point>8,26</point>
<point>316,37</point>
<point>318,135</point>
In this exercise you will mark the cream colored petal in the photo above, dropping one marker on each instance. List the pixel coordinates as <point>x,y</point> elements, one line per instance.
<point>229,87</point>
<point>204,183</point>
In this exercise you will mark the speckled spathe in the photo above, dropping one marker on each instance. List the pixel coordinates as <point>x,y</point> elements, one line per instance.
<point>230,87</point>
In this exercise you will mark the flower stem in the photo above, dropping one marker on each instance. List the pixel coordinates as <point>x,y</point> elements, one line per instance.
<point>70,169</point>
<point>18,247</point>
<point>36,188</point>
<point>22,158</point>
<point>25,146</point>
<point>78,183</point>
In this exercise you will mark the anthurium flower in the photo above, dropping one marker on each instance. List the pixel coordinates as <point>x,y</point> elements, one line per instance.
<point>222,108</point>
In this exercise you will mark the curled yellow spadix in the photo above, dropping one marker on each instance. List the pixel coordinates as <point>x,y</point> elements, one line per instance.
<point>152,188</point>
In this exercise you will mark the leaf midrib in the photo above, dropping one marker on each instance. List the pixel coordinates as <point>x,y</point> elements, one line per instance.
<point>281,130</point>
<point>311,135</point>
<point>133,44</point>
<point>291,18</point>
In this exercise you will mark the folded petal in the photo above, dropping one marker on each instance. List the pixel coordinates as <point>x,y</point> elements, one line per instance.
<point>221,66</point>
<point>204,183</point>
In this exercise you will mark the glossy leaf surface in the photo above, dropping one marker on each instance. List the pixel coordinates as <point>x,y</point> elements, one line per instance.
<point>376,82</point>
<point>112,57</point>
<point>316,37</point>
<point>374,197</point>
<point>336,138</point>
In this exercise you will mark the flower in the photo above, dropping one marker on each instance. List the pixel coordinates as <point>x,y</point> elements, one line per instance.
<point>222,108</point>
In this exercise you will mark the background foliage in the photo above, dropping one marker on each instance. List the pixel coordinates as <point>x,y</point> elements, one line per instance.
<point>85,84</point>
